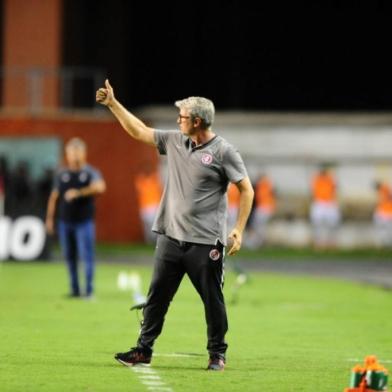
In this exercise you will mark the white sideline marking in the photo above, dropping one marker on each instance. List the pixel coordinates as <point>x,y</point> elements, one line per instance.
<point>139,369</point>
<point>150,378</point>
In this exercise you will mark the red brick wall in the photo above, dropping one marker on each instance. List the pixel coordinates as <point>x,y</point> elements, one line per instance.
<point>111,150</point>
<point>32,38</point>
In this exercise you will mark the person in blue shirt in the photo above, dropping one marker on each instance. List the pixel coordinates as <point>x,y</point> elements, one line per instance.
<point>72,200</point>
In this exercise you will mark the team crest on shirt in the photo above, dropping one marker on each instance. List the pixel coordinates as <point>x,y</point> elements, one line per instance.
<point>214,254</point>
<point>206,159</point>
<point>83,177</point>
<point>65,177</point>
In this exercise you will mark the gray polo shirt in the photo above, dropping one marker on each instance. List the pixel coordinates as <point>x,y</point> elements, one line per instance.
<point>193,207</point>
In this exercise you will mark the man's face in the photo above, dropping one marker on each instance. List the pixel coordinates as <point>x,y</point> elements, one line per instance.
<point>185,122</point>
<point>75,155</point>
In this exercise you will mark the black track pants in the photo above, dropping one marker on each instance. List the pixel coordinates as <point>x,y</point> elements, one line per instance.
<point>204,266</point>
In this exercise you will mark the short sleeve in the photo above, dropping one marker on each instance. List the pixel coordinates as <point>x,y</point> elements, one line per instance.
<point>162,139</point>
<point>233,165</point>
<point>95,175</point>
<point>56,182</point>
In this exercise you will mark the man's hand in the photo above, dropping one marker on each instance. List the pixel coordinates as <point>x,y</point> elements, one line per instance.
<point>105,96</point>
<point>71,194</point>
<point>235,237</point>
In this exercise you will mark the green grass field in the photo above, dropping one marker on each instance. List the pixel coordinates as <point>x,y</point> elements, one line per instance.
<point>286,334</point>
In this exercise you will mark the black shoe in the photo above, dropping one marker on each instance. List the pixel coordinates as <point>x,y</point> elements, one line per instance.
<point>216,362</point>
<point>134,356</point>
<point>72,295</point>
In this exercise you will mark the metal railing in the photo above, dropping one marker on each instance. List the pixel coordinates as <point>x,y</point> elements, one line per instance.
<point>75,88</point>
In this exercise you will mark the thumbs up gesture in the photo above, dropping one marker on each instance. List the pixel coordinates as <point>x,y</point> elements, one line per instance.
<point>105,95</point>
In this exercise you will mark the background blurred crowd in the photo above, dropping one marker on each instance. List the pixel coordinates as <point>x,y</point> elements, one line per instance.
<point>324,210</point>
<point>20,194</point>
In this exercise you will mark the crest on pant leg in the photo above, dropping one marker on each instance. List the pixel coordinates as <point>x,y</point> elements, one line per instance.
<point>214,254</point>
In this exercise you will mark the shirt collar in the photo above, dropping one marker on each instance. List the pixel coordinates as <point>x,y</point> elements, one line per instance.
<point>192,146</point>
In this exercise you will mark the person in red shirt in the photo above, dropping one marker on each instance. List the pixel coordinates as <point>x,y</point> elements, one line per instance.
<point>324,212</point>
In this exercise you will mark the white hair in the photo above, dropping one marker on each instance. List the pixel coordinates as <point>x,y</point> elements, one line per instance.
<point>76,142</point>
<point>198,107</point>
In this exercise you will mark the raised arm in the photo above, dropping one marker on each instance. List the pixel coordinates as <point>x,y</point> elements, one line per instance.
<point>246,200</point>
<point>135,127</point>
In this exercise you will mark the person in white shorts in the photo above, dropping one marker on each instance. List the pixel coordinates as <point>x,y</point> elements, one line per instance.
<point>324,211</point>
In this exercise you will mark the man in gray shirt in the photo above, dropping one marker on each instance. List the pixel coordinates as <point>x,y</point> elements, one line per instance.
<point>191,221</point>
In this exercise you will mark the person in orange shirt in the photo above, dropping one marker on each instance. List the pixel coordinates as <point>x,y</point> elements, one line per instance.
<point>324,212</point>
<point>265,205</point>
<point>149,190</point>
<point>233,197</point>
<point>382,216</point>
